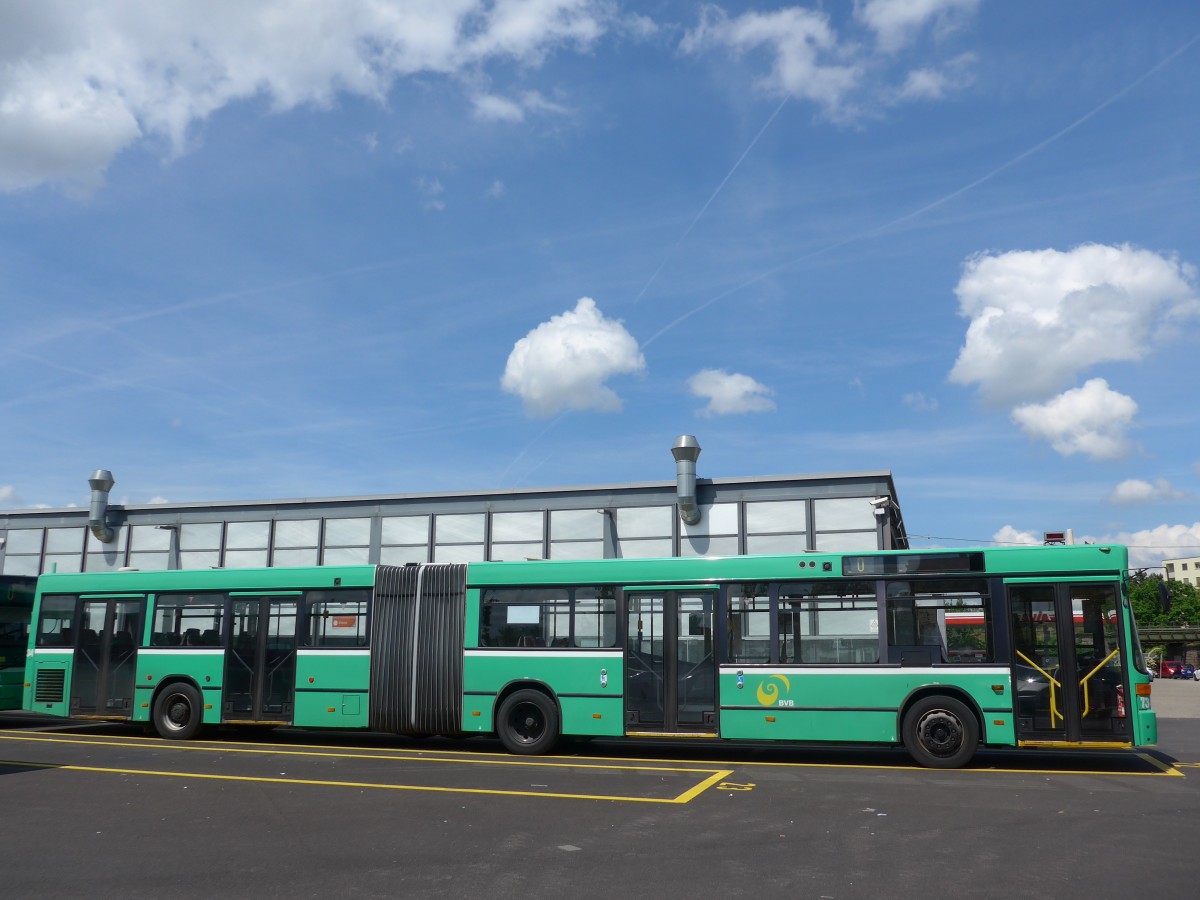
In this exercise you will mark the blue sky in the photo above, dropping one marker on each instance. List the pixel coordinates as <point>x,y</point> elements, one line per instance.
<point>301,249</point>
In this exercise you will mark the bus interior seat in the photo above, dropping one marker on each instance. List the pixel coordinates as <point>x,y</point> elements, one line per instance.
<point>191,637</point>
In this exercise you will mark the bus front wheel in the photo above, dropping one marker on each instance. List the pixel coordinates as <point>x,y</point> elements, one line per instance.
<point>178,712</point>
<point>527,722</point>
<point>940,733</point>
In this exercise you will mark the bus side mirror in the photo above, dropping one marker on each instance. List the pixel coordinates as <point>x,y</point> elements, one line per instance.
<point>1164,596</point>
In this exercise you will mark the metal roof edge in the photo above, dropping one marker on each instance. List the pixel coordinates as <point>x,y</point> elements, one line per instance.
<point>452,495</point>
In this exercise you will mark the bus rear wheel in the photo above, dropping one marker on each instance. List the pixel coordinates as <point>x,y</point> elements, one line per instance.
<point>527,722</point>
<point>940,733</point>
<point>178,712</point>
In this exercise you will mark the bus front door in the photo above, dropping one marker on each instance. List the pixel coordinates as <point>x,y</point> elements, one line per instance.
<point>260,662</point>
<point>102,683</point>
<point>670,668</point>
<point>1069,673</point>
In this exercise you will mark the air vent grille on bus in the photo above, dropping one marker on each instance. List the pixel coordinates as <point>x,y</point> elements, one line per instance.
<point>50,684</point>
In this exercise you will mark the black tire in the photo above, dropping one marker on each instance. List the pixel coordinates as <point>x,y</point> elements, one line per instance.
<point>178,712</point>
<point>527,722</point>
<point>940,733</point>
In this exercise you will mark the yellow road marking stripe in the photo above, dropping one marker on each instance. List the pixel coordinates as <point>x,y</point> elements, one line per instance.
<point>686,797</point>
<point>686,765</point>
<point>1167,769</point>
<point>552,762</point>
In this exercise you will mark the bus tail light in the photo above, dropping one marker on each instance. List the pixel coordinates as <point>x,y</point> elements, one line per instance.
<point>1142,690</point>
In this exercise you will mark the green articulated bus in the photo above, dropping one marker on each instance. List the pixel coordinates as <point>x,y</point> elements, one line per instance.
<point>16,607</point>
<point>941,652</point>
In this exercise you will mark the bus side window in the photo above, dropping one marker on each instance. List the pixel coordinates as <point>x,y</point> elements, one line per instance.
<point>55,621</point>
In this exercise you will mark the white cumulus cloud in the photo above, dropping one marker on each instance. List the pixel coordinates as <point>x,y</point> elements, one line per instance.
<point>1134,490</point>
<point>842,74</point>
<point>8,496</point>
<point>1150,546</point>
<point>897,22</point>
<point>564,363</point>
<point>494,108</point>
<point>1147,547</point>
<point>807,59</point>
<point>934,83</point>
<point>730,393</point>
<point>1010,535</point>
<point>1091,420</point>
<point>1041,318</point>
<point>83,80</point>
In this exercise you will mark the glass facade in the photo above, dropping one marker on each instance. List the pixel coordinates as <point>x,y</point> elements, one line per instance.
<point>458,537</point>
<point>404,539</point>
<point>518,535</point>
<point>347,542</point>
<point>652,529</point>
<point>577,533</point>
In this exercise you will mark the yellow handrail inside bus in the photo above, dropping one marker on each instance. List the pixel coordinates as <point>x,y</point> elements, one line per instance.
<point>1083,682</point>
<point>1054,713</point>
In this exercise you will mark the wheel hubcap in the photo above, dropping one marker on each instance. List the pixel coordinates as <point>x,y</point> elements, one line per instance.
<point>940,732</point>
<point>528,724</point>
<point>178,712</point>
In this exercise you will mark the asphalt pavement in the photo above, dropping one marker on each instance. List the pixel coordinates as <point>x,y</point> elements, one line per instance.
<point>1175,698</point>
<point>104,811</point>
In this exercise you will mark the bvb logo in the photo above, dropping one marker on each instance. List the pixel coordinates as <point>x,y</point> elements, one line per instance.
<point>768,691</point>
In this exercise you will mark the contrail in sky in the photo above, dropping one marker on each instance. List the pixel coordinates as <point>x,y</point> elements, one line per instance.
<point>708,202</point>
<point>880,229</point>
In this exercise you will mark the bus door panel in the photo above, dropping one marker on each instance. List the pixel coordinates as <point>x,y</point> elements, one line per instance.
<point>102,682</point>
<point>670,668</point>
<point>695,663</point>
<point>1068,669</point>
<point>260,662</point>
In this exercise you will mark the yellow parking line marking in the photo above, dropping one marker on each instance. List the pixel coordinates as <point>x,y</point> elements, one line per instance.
<point>686,797</point>
<point>1167,769</point>
<point>597,762</point>
<point>542,762</point>
<point>895,767</point>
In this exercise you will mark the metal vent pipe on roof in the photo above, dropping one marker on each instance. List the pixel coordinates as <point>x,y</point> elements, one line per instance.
<point>101,483</point>
<point>686,451</point>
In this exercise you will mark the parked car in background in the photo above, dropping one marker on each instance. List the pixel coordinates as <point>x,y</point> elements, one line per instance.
<point>1188,671</point>
<point>1169,668</point>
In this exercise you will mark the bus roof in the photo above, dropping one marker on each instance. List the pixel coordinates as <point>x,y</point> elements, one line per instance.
<point>1053,561</point>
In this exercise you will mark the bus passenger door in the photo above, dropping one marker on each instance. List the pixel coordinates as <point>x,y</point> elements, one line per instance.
<point>105,664</point>
<point>1069,672</point>
<point>670,667</point>
<point>260,661</point>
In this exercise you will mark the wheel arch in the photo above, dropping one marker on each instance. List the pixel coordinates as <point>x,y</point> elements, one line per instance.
<point>939,690</point>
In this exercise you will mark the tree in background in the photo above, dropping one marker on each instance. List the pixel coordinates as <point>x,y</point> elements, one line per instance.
<point>1148,609</point>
